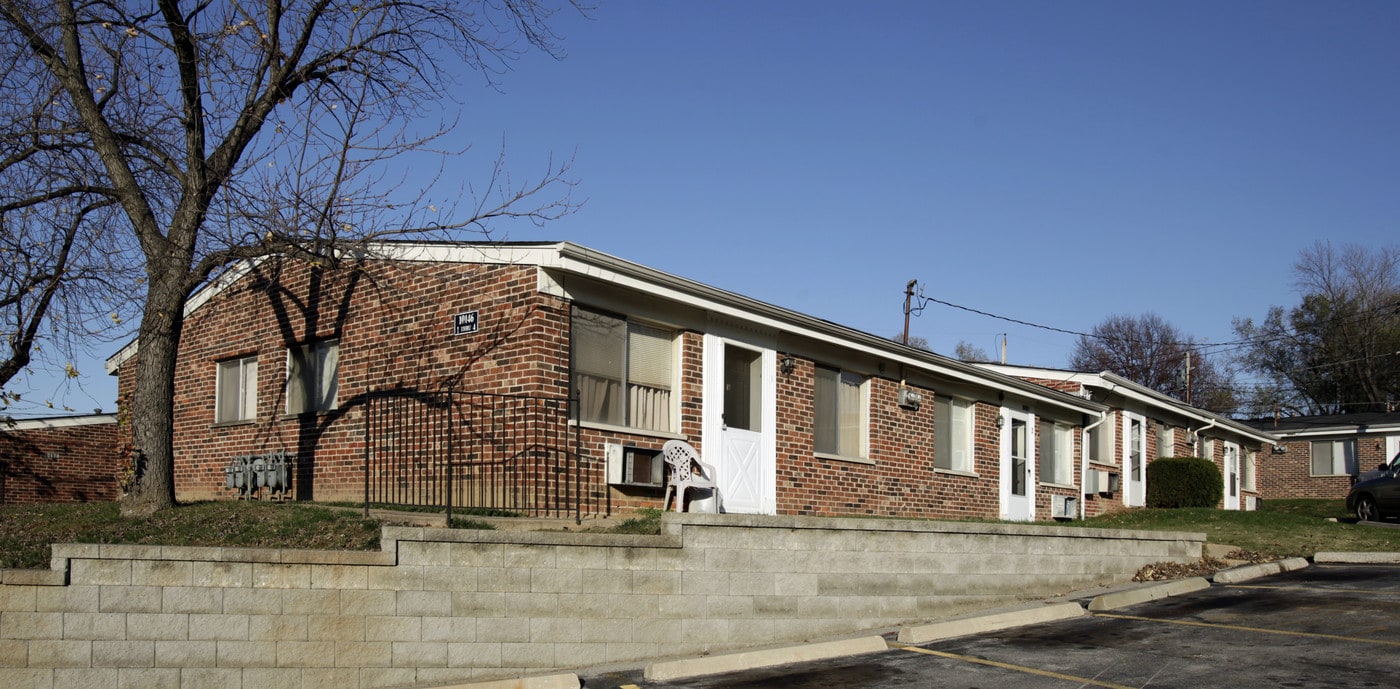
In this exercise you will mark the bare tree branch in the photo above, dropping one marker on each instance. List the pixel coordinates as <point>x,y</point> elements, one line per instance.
<point>228,130</point>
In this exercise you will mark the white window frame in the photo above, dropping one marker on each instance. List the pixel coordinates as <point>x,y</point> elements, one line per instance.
<point>1248,480</point>
<point>961,418</point>
<point>624,415</point>
<point>1348,459</point>
<point>1060,458</point>
<point>307,366</point>
<point>862,440</point>
<point>1166,441</point>
<point>239,378</point>
<point>1106,434</point>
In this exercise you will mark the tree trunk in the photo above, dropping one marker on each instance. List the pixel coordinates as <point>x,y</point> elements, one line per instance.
<point>153,401</point>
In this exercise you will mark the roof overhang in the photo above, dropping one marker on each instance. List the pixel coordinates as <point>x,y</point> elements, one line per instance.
<point>557,259</point>
<point>1118,385</point>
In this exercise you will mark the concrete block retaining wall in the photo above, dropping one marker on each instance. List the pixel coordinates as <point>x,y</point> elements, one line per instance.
<point>445,606</point>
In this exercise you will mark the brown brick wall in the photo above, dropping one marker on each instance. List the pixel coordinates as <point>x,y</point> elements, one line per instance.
<point>1289,474</point>
<point>75,463</point>
<point>902,481</point>
<point>393,322</point>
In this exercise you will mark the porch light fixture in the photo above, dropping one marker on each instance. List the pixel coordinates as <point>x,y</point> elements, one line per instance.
<point>1001,421</point>
<point>788,364</point>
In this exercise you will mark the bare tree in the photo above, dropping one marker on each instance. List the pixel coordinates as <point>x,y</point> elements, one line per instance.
<point>64,256</point>
<point>966,351</point>
<point>1338,350</point>
<point>225,131</point>
<point>1152,352</point>
<point>915,341</point>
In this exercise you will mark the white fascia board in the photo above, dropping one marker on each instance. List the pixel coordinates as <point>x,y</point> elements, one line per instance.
<point>572,258</point>
<point>1206,417</point>
<point>492,254</point>
<point>583,261</point>
<point>58,422</point>
<point>1347,429</point>
<point>1142,394</point>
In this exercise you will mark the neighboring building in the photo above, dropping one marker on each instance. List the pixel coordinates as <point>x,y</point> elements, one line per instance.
<point>799,415</point>
<point>1318,456</point>
<point>1141,425</point>
<point>59,459</point>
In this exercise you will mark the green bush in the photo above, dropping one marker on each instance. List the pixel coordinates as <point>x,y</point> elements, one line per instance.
<point>1183,482</point>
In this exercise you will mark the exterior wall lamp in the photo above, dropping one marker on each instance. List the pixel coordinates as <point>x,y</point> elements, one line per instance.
<point>788,364</point>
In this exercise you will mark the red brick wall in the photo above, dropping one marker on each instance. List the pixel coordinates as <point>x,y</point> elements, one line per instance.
<point>903,480</point>
<point>1289,474</point>
<point>70,463</point>
<point>393,323</point>
<point>394,326</point>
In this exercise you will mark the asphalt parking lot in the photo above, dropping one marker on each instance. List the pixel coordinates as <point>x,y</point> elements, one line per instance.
<point>1323,626</point>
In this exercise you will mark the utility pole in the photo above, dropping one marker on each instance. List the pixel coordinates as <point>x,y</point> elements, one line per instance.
<point>1188,376</point>
<point>908,295</point>
<point>1003,349</point>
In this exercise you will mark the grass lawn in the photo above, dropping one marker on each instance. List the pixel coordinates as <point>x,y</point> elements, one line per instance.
<point>1281,528</point>
<point>27,530</point>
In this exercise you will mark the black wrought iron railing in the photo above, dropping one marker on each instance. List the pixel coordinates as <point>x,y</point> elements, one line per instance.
<point>472,451</point>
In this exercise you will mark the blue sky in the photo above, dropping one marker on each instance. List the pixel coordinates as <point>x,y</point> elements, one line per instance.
<point>1053,162</point>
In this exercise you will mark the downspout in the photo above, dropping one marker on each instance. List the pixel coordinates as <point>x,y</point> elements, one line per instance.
<point>1197,433</point>
<point>1084,461</point>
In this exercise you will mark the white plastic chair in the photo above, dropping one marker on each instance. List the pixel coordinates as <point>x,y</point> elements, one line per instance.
<point>682,458</point>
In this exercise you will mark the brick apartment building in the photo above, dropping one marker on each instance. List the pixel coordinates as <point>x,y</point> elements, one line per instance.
<point>387,363</point>
<point>1318,456</point>
<point>62,459</point>
<point>1142,424</point>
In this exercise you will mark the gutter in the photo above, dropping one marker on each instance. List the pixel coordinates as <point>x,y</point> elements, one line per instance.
<point>1213,423</point>
<point>1084,462</point>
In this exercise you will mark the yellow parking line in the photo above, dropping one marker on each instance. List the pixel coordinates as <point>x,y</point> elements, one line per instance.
<point>1083,681</point>
<point>1261,630</point>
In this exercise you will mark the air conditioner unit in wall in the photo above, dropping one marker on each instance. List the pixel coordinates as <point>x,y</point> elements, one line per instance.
<point>1093,481</point>
<point>1064,507</point>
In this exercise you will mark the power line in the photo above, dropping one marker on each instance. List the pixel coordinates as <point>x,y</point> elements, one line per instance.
<point>1204,346</point>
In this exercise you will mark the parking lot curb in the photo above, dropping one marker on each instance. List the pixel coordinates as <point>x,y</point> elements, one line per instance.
<point>564,681</point>
<point>1358,558</point>
<point>979,623</point>
<point>747,660</point>
<point>1142,594</point>
<point>1248,572</point>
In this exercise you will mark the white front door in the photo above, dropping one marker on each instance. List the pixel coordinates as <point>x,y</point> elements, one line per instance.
<point>740,406</point>
<point>1392,448</point>
<point>1134,460</point>
<point>1232,476</point>
<point>1017,466</point>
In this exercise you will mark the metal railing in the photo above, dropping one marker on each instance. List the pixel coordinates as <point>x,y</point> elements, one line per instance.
<point>477,452</point>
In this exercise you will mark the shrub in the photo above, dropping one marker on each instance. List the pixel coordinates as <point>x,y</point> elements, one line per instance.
<point>1183,482</point>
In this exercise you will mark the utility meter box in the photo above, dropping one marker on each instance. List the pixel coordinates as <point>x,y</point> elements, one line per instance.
<point>910,399</point>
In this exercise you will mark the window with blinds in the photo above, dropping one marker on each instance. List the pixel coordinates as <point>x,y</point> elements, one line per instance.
<point>236,390</point>
<point>840,413</point>
<point>313,371</point>
<point>1333,457</point>
<point>623,372</point>
<point>952,433</point>
<point>1056,454</point>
